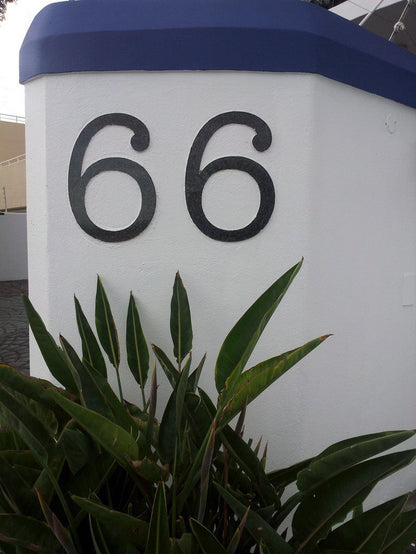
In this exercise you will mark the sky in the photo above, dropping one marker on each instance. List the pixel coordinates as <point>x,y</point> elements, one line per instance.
<point>12,32</point>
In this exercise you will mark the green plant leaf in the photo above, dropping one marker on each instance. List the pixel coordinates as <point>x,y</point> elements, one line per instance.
<point>205,473</point>
<point>27,426</point>
<point>137,351</point>
<point>236,538</point>
<point>106,329</point>
<point>98,539</point>
<point>32,387</point>
<point>150,470</point>
<point>171,425</point>
<point>259,529</point>
<point>283,477</point>
<point>170,370</point>
<point>195,375</point>
<point>61,533</point>
<point>113,438</point>
<point>243,337</point>
<point>244,455</point>
<point>366,532</point>
<point>193,473</point>
<point>345,454</point>
<point>180,321</point>
<point>90,348</point>
<point>77,446</point>
<point>26,532</point>
<point>52,354</point>
<point>254,381</point>
<point>93,476</point>
<point>158,536</point>
<point>96,392</point>
<point>329,503</point>
<point>206,540</point>
<point>402,533</point>
<point>133,530</point>
<point>287,508</point>
<point>17,491</point>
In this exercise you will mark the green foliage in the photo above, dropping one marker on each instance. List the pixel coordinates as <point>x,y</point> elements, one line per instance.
<point>84,471</point>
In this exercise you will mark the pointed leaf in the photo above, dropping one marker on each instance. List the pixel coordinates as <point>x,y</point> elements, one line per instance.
<point>108,434</point>
<point>32,387</point>
<point>158,536</point>
<point>18,490</point>
<point>180,321</point>
<point>137,351</point>
<point>99,542</point>
<point>170,370</point>
<point>195,375</point>
<point>26,532</point>
<point>150,470</point>
<point>243,337</point>
<point>347,453</point>
<point>77,446</point>
<point>90,348</point>
<point>206,540</point>
<point>106,329</point>
<point>27,426</point>
<point>258,528</point>
<point>329,504</point>
<point>193,473</point>
<point>235,539</point>
<point>366,532</point>
<point>61,533</point>
<point>95,390</point>
<point>170,427</point>
<point>53,356</point>
<point>133,530</point>
<point>205,473</point>
<point>254,381</point>
<point>283,477</point>
<point>93,475</point>
<point>402,533</point>
<point>152,408</point>
<point>244,455</point>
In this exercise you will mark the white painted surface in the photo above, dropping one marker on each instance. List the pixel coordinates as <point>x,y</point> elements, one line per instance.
<point>345,199</point>
<point>13,247</point>
<point>351,10</point>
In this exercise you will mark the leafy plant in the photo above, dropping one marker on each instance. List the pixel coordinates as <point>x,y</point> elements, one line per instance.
<point>82,470</point>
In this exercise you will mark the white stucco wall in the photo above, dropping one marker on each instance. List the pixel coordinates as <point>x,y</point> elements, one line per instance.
<point>13,247</point>
<point>343,166</point>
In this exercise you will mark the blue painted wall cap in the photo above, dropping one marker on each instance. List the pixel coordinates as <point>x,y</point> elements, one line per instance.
<point>234,35</point>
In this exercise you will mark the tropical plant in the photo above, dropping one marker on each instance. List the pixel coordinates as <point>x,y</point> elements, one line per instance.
<point>82,470</point>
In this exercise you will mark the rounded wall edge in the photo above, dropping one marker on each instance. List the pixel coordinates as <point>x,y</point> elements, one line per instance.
<point>237,35</point>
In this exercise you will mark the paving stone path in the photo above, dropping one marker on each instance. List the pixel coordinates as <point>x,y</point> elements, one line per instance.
<point>14,329</point>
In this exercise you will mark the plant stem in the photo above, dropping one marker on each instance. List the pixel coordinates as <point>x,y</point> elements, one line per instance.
<point>174,491</point>
<point>143,398</point>
<point>119,385</point>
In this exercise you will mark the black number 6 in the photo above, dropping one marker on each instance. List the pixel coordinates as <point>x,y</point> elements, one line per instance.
<point>196,177</point>
<point>78,181</point>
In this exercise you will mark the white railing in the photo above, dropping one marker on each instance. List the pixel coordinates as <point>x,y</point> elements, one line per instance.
<point>14,160</point>
<point>11,118</point>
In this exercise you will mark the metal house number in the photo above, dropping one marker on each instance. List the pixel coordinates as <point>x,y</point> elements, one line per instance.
<point>195,178</point>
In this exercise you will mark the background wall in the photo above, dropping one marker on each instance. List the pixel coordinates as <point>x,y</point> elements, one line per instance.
<point>13,183</point>
<point>342,162</point>
<point>13,247</point>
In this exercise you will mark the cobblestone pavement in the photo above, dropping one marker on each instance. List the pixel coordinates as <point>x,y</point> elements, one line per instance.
<point>14,329</point>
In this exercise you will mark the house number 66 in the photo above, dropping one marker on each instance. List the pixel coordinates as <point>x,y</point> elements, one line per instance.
<point>195,178</point>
